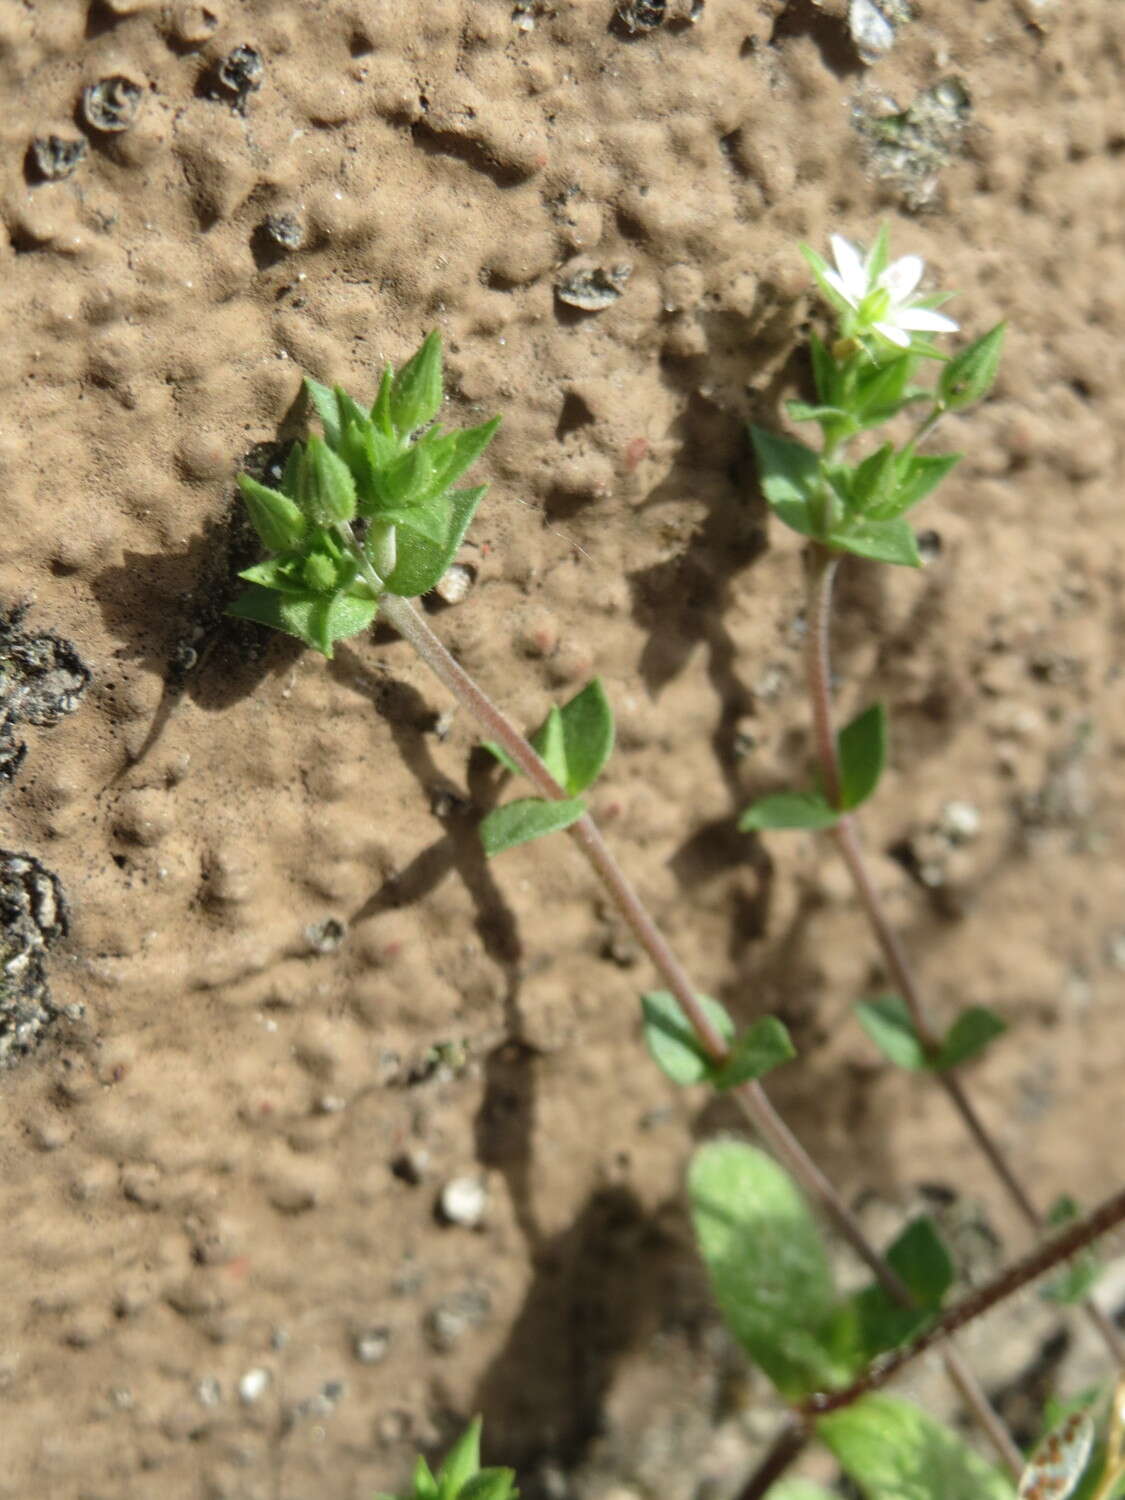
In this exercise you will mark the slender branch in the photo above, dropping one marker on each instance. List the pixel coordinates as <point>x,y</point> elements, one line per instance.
<point>751,1096</point>
<point>1108,1215</point>
<point>785,1449</point>
<point>821,574</point>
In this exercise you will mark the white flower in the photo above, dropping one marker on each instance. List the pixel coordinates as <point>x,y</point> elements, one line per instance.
<point>884,302</point>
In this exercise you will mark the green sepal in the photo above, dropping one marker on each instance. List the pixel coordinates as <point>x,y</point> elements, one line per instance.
<point>327,486</point>
<point>327,409</point>
<point>887,1021</point>
<point>763,1046</point>
<point>416,393</point>
<point>316,619</point>
<point>861,749</point>
<point>968,377</point>
<point>818,266</point>
<point>923,1264</point>
<point>808,810</point>
<point>968,1036</point>
<point>530,818</point>
<point>768,1266</point>
<point>671,1039</point>
<point>421,560</point>
<point>893,1451</point>
<point>276,518</point>
<point>884,541</point>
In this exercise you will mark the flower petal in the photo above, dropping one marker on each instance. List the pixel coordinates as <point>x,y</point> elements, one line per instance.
<point>925,320</point>
<point>893,334</point>
<point>837,283</point>
<point>902,276</point>
<point>849,263</point>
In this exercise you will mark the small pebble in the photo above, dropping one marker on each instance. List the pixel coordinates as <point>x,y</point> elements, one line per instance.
<point>640,15</point>
<point>454,584</point>
<point>193,24</point>
<point>463,1201</point>
<point>960,822</point>
<point>285,229</point>
<point>209,1392</point>
<point>593,288</point>
<point>240,72</point>
<point>372,1345</point>
<point>252,1386</point>
<point>326,936</point>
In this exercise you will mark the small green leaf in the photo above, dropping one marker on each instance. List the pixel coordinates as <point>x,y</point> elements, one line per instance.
<point>549,744</point>
<point>801,411</point>
<point>317,620</point>
<point>424,1485</point>
<point>767,1264</point>
<point>916,475</point>
<point>862,750</point>
<point>281,573</point>
<point>826,372</point>
<point>671,1039</point>
<point>808,810</point>
<point>968,376</point>
<point>969,1035</point>
<point>491,1484</point>
<point>351,413</point>
<point>277,519</point>
<point>886,1019</point>
<point>406,481</point>
<point>893,1451</point>
<point>762,1047</point>
<point>873,481</point>
<point>587,724</point>
<point>327,409</point>
<point>502,756</point>
<point>885,541</point>
<point>530,818</point>
<point>923,1263</point>
<point>1057,1465</point>
<point>327,486</point>
<point>461,1462</point>
<point>421,561</point>
<point>789,474</point>
<point>381,406</point>
<point>799,1489</point>
<point>882,390</point>
<point>415,396</point>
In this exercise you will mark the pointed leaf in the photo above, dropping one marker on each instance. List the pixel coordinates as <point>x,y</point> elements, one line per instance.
<point>969,1035</point>
<point>587,723</point>
<point>826,372</point>
<point>808,810</point>
<point>416,394</point>
<point>281,573</point>
<point>425,1485</point>
<point>531,818</point>
<point>327,487</point>
<point>351,413</point>
<point>327,409</point>
<point>818,266</point>
<point>276,518</point>
<point>917,474</point>
<point>549,744</point>
<point>502,756</point>
<point>491,1484</point>
<point>893,1451</point>
<point>862,750</point>
<point>789,473</point>
<point>883,389</point>
<point>762,1047</point>
<point>887,1021</point>
<point>381,406</point>
<point>421,561</point>
<point>767,1264</point>
<point>1057,1465</point>
<point>671,1039</point>
<point>461,1462</point>
<point>801,411</point>
<point>968,376</point>
<point>884,541</point>
<point>464,448</point>
<point>312,618</point>
<point>923,1263</point>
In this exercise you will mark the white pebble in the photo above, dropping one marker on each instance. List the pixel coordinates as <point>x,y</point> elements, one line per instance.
<point>463,1201</point>
<point>960,822</point>
<point>252,1386</point>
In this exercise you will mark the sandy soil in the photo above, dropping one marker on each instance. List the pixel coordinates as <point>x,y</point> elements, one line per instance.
<point>292,1002</point>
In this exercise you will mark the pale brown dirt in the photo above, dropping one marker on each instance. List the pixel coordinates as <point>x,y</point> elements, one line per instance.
<point>197,1165</point>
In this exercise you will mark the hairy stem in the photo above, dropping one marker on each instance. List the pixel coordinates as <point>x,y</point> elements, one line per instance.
<point>822,570</point>
<point>751,1096</point>
<point>1043,1258</point>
